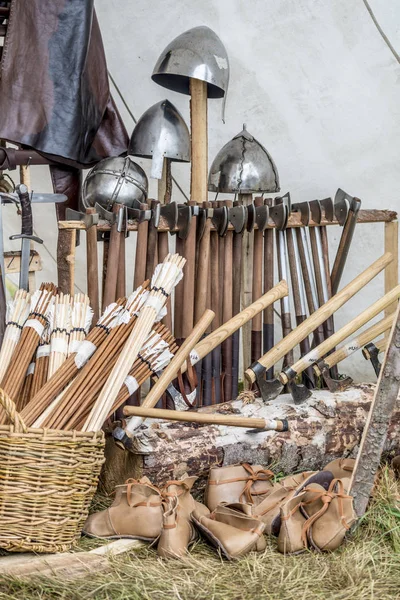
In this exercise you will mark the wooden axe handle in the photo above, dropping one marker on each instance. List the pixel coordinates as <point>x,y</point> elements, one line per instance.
<point>172,369</point>
<point>215,338</point>
<point>92,268</point>
<point>361,340</point>
<point>205,418</point>
<point>271,358</point>
<point>110,285</point>
<point>355,324</point>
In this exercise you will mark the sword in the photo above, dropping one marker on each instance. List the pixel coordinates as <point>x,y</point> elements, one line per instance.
<point>25,199</point>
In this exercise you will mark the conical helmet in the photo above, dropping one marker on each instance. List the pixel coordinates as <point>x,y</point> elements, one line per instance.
<point>161,133</point>
<point>195,54</point>
<point>243,166</point>
<point>115,179</point>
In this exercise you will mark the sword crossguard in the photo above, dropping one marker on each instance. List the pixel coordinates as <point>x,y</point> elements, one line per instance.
<point>24,236</point>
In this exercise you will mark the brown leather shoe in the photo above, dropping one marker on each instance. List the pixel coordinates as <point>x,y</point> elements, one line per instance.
<point>135,513</point>
<point>237,483</point>
<point>290,539</point>
<point>330,515</point>
<point>270,509</point>
<point>232,529</point>
<point>177,532</point>
<point>341,467</point>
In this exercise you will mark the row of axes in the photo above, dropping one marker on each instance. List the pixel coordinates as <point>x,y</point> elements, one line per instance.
<point>230,251</point>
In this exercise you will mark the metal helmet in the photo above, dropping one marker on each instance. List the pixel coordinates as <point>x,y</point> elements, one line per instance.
<point>243,166</point>
<point>161,132</point>
<point>195,54</point>
<point>115,179</point>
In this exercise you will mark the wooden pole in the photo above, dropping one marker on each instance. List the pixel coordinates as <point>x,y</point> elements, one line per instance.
<point>247,284</point>
<point>92,267</point>
<point>376,427</point>
<point>392,271</point>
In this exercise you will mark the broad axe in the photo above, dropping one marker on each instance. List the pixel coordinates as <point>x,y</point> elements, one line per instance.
<point>349,206</point>
<point>256,373</point>
<point>371,352</point>
<point>26,200</point>
<point>299,392</point>
<point>322,367</point>
<point>125,437</point>
<point>214,339</point>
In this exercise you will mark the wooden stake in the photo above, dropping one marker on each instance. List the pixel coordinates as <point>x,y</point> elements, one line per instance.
<point>376,427</point>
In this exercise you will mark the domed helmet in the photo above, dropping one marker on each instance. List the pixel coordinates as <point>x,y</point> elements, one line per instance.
<point>243,166</point>
<point>115,179</point>
<point>195,54</point>
<point>161,132</point>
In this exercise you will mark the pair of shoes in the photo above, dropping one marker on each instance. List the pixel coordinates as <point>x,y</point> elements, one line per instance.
<point>232,528</point>
<point>144,512</point>
<point>316,517</point>
<point>237,483</point>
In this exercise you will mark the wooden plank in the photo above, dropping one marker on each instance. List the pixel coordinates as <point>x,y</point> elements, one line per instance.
<point>73,564</point>
<point>392,270</point>
<point>364,216</point>
<point>377,426</point>
<point>12,262</point>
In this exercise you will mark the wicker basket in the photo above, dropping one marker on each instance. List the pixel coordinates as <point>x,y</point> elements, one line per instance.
<point>47,481</point>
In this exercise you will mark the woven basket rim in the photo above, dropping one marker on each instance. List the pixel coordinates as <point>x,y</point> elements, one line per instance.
<point>9,430</point>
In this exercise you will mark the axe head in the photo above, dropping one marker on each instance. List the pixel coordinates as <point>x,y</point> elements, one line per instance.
<point>299,392</point>
<point>155,207</point>
<point>184,220</point>
<point>201,223</point>
<point>371,352</point>
<point>251,217</point>
<point>342,206</point>
<point>169,212</point>
<point>89,219</point>
<point>269,390</point>
<point>262,216</point>
<point>334,385</point>
<point>327,205</point>
<point>316,212</point>
<point>220,219</point>
<point>137,444</point>
<point>279,214</point>
<point>238,217</point>
<point>104,214</point>
<point>304,209</point>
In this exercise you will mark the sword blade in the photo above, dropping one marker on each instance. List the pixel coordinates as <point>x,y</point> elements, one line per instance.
<point>25,260</point>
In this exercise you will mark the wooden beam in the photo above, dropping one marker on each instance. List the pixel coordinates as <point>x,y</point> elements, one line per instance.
<point>12,262</point>
<point>377,426</point>
<point>364,216</point>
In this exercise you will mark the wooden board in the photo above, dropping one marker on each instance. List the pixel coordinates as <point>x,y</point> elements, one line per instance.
<point>364,216</point>
<point>12,262</point>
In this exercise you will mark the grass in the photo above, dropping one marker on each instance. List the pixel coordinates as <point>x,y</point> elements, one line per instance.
<point>367,567</point>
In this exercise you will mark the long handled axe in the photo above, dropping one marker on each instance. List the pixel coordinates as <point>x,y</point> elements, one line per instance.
<point>344,203</point>
<point>261,219</point>
<point>268,284</point>
<point>299,392</point>
<point>270,389</point>
<point>237,217</point>
<point>206,346</point>
<point>116,219</point>
<point>323,366</point>
<point>207,419</point>
<point>306,265</point>
<point>124,436</point>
